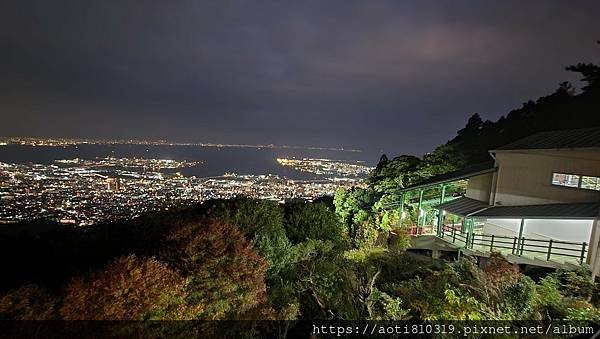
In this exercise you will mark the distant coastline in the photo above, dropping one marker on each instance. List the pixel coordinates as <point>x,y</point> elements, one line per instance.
<point>62,142</point>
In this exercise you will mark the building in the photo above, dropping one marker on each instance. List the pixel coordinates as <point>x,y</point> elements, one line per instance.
<point>537,201</point>
<point>113,184</point>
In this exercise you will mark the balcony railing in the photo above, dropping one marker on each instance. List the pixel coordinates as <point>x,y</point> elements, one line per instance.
<point>528,247</point>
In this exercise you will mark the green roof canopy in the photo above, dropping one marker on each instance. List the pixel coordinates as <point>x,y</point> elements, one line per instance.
<point>463,206</point>
<point>547,211</point>
<point>464,173</point>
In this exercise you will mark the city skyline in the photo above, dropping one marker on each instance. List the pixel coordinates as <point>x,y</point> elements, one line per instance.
<point>384,77</point>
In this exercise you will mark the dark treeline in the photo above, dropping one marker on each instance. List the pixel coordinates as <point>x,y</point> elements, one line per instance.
<point>563,109</point>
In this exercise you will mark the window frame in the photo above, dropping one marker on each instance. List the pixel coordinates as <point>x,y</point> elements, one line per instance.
<point>586,188</point>
<point>579,181</point>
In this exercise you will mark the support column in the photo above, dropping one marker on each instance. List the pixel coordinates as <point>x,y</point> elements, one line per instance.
<point>471,223</point>
<point>595,259</point>
<point>419,210</point>
<point>593,243</point>
<point>520,235</point>
<point>441,213</point>
<point>443,194</point>
<point>440,225</point>
<point>401,208</point>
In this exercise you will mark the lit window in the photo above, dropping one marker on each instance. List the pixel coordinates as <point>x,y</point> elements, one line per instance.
<point>574,180</point>
<point>591,183</point>
<point>569,180</point>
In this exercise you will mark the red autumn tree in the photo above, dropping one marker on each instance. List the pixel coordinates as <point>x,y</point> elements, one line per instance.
<point>226,275</point>
<point>500,273</point>
<point>27,302</point>
<point>128,288</point>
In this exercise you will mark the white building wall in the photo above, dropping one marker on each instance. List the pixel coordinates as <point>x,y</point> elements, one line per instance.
<point>505,227</point>
<point>525,178</point>
<point>479,187</point>
<point>566,230</point>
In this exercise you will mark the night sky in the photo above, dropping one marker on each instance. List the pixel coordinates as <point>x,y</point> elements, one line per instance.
<point>392,76</point>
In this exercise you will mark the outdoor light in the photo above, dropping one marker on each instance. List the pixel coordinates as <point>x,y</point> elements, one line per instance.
<point>403,215</point>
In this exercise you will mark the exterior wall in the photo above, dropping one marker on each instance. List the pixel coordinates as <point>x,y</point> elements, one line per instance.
<point>525,178</point>
<point>543,229</point>
<point>505,227</point>
<point>479,187</point>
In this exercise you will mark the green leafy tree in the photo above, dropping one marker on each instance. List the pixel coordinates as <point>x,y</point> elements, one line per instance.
<point>315,283</point>
<point>314,221</point>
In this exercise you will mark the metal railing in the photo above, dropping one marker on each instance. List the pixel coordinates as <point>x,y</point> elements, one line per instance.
<point>517,246</point>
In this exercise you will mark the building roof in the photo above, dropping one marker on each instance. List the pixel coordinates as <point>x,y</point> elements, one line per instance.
<point>463,206</point>
<point>547,211</point>
<point>464,173</point>
<point>575,138</point>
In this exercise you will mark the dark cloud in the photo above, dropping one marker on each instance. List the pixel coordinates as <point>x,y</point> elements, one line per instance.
<point>378,75</point>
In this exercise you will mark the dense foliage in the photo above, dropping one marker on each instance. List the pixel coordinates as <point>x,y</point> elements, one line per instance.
<point>209,269</point>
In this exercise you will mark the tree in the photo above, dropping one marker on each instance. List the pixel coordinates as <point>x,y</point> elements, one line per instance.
<point>590,73</point>
<point>473,127</point>
<point>129,288</point>
<point>314,221</point>
<point>226,275</point>
<point>383,160</point>
<point>28,302</point>
<point>316,280</point>
<point>260,221</point>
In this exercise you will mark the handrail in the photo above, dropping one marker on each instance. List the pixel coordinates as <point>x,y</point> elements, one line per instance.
<point>518,246</point>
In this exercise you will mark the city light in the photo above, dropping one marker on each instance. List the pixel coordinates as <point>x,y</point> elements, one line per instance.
<point>88,191</point>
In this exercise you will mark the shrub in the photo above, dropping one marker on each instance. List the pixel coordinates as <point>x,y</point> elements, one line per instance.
<point>582,310</point>
<point>517,301</point>
<point>499,273</point>
<point>549,299</point>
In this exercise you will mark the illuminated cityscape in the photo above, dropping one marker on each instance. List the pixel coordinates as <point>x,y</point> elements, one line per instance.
<point>326,166</point>
<point>87,191</point>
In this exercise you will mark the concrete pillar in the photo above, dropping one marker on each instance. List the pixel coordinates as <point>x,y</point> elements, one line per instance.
<point>494,185</point>
<point>596,266</point>
<point>593,252</point>
<point>593,243</point>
